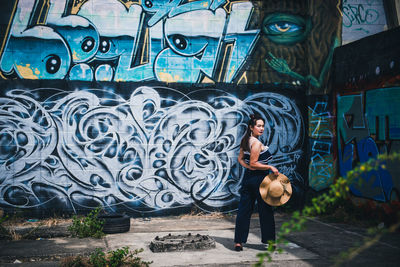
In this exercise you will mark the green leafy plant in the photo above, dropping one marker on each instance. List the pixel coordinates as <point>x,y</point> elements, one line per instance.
<point>87,226</point>
<point>114,258</point>
<point>324,202</point>
<point>98,258</point>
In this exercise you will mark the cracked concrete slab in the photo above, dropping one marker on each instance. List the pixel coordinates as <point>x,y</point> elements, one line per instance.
<point>223,253</point>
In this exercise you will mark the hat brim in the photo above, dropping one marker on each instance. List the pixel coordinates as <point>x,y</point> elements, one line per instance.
<point>264,188</point>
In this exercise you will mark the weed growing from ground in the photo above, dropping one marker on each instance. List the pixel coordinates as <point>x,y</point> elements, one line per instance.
<point>98,258</point>
<point>114,258</point>
<point>87,226</point>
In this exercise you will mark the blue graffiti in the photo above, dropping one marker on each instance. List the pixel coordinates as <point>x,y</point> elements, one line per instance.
<point>322,146</point>
<point>322,164</point>
<point>107,40</point>
<point>383,114</point>
<point>355,125</point>
<point>191,52</point>
<point>33,61</point>
<point>376,184</point>
<point>78,32</point>
<point>157,149</point>
<point>161,8</point>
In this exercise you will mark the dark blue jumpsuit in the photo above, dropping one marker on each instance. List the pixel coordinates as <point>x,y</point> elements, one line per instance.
<point>249,193</point>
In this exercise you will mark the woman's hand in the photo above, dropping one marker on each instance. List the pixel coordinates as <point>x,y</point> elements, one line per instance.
<point>274,170</point>
<point>250,168</point>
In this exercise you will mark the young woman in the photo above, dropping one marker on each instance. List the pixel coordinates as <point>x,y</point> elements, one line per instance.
<point>254,156</point>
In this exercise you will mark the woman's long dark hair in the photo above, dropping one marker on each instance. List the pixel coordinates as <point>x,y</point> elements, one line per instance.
<point>244,144</point>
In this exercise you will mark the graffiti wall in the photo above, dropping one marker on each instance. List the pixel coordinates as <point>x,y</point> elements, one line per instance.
<point>362,18</point>
<point>301,52</point>
<point>322,168</point>
<point>139,106</point>
<point>368,112</point>
<point>157,148</point>
<point>111,40</point>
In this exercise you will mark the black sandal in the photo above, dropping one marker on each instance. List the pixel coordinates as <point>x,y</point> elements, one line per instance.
<point>238,247</point>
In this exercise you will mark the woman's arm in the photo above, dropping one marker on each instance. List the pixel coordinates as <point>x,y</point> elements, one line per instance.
<point>241,160</point>
<point>254,164</point>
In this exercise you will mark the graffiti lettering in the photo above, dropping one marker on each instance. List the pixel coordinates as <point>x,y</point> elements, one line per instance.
<point>322,167</point>
<point>321,146</point>
<point>358,14</point>
<point>108,40</point>
<point>356,128</point>
<point>320,120</point>
<point>351,122</point>
<point>34,62</point>
<point>362,18</point>
<point>322,164</point>
<point>383,118</point>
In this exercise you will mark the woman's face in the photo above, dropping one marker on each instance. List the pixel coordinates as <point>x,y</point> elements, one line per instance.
<point>258,128</point>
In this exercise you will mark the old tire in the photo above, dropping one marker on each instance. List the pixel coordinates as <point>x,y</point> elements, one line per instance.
<point>115,223</point>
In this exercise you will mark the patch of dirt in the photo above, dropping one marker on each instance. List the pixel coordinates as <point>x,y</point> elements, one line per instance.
<point>23,222</point>
<point>18,228</point>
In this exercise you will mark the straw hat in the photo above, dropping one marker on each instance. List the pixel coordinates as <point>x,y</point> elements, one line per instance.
<point>275,190</point>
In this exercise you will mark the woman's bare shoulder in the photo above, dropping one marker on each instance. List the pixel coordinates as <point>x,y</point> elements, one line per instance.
<point>254,141</point>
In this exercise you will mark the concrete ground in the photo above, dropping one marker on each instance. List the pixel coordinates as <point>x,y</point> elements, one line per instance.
<point>320,244</point>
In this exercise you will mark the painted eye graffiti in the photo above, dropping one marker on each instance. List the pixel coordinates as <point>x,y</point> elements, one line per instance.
<point>187,45</point>
<point>179,41</point>
<point>148,4</point>
<point>154,6</point>
<point>105,45</point>
<point>88,44</point>
<point>286,28</point>
<point>53,63</point>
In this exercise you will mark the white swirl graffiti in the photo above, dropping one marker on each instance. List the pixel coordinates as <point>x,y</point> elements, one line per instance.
<point>160,149</point>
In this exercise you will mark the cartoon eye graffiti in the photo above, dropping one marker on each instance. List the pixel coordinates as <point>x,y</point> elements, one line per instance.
<point>154,6</point>
<point>187,45</point>
<point>179,41</point>
<point>88,44</point>
<point>148,4</point>
<point>53,63</point>
<point>104,45</point>
<point>286,28</point>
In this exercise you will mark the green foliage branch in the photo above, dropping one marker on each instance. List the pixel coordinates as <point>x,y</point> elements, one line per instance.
<point>337,191</point>
<point>87,226</point>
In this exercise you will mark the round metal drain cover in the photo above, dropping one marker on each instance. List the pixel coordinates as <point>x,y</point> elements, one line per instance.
<point>170,243</point>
